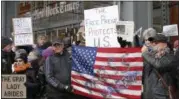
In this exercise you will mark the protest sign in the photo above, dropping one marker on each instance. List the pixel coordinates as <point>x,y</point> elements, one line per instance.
<point>125,29</point>
<point>100,29</point>
<point>170,30</point>
<point>22,25</point>
<point>13,86</point>
<point>23,39</point>
<point>23,34</point>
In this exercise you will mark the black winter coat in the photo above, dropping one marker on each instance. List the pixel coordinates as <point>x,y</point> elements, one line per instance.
<point>6,62</point>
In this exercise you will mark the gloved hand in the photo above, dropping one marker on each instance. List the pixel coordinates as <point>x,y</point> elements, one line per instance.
<point>69,88</point>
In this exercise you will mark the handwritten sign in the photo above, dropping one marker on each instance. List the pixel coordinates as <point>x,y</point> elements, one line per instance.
<point>100,30</point>
<point>125,29</point>
<point>13,86</point>
<point>23,34</point>
<point>170,30</point>
<point>22,25</point>
<point>23,39</point>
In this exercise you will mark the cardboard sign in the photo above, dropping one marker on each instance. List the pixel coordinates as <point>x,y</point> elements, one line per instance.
<point>125,29</point>
<point>23,39</point>
<point>100,29</point>
<point>22,25</point>
<point>13,86</point>
<point>170,30</point>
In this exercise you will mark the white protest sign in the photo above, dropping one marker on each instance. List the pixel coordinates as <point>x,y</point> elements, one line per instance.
<point>125,29</point>
<point>170,30</point>
<point>13,86</point>
<point>22,25</point>
<point>23,39</point>
<point>100,29</point>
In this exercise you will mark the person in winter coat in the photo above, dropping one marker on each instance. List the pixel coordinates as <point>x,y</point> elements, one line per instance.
<point>32,82</point>
<point>6,61</point>
<point>42,44</point>
<point>21,64</point>
<point>157,57</point>
<point>146,37</point>
<point>58,73</point>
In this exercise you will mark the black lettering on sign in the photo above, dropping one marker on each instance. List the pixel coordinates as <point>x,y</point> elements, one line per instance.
<point>100,10</point>
<point>12,86</point>
<point>18,79</point>
<point>6,79</point>
<point>13,93</point>
<point>97,42</point>
<point>106,40</point>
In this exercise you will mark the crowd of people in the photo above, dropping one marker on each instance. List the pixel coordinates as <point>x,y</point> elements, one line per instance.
<point>47,66</point>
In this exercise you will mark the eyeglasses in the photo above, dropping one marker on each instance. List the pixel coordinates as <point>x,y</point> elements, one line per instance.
<point>19,60</point>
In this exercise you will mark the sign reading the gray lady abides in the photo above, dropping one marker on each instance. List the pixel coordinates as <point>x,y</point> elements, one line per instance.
<point>13,86</point>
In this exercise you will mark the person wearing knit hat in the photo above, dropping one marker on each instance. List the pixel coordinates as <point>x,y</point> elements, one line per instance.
<point>21,64</point>
<point>6,62</point>
<point>20,51</point>
<point>6,44</point>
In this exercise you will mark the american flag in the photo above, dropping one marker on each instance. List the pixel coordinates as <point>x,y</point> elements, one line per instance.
<point>113,73</point>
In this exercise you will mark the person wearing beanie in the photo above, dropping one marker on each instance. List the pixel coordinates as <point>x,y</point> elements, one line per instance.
<point>58,72</point>
<point>21,64</point>
<point>157,58</point>
<point>6,60</point>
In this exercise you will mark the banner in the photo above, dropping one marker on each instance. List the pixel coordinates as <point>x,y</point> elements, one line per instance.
<point>100,29</point>
<point>170,30</point>
<point>13,86</point>
<point>107,73</point>
<point>125,29</point>
<point>23,34</point>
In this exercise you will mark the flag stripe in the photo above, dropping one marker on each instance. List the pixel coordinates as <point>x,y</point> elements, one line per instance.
<point>120,68</point>
<point>119,94</point>
<point>129,87</point>
<point>117,73</point>
<point>110,81</point>
<point>131,64</point>
<point>117,55</point>
<point>119,50</point>
<point>126,59</point>
<point>95,95</point>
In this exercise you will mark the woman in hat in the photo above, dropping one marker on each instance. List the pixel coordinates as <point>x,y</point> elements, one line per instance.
<point>21,65</point>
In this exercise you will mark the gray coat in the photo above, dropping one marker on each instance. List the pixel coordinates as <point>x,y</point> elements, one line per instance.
<point>58,72</point>
<point>153,87</point>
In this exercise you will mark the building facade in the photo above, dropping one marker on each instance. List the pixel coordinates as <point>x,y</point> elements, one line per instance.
<point>60,19</point>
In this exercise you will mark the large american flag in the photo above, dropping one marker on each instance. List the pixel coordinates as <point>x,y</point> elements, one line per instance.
<point>113,73</point>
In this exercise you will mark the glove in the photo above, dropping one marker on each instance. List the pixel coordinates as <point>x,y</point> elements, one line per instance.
<point>69,88</point>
